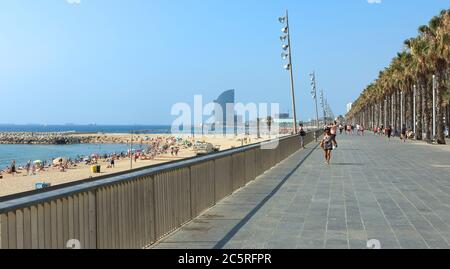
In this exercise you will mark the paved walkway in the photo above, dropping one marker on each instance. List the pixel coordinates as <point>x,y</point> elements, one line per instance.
<point>396,193</point>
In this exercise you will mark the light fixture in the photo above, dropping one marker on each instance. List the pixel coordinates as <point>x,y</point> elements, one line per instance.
<point>282,19</point>
<point>283,38</point>
<point>287,67</point>
<point>285,47</point>
<point>284,55</point>
<point>284,30</point>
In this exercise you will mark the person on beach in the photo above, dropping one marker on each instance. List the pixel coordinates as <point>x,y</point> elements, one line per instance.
<point>27,167</point>
<point>13,167</point>
<point>33,170</point>
<point>327,145</point>
<point>112,162</point>
<point>302,136</point>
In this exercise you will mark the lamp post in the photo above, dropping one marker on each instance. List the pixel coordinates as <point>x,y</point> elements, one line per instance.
<point>314,95</point>
<point>323,105</point>
<point>131,151</point>
<point>289,66</point>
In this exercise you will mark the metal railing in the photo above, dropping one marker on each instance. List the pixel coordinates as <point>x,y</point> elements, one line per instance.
<point>134,209</point>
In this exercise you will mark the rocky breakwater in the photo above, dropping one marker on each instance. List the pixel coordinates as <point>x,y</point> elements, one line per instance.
<point>39,138</point>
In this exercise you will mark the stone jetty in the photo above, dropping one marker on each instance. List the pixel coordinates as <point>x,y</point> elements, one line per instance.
<point>40,138</point>
<point>68,138</point>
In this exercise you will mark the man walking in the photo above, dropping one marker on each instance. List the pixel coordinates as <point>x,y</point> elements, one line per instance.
<point>302,136</point>
<point>333,131</point>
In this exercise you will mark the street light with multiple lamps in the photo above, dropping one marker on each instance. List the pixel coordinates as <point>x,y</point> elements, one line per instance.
<point>322,103</point>
<point>314,95</point>
<point>287,54</point>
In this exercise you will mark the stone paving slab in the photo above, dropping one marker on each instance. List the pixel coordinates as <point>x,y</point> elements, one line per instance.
<point>395,192</point>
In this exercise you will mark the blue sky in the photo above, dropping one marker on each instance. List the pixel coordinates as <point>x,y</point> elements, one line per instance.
<point>128,62</point>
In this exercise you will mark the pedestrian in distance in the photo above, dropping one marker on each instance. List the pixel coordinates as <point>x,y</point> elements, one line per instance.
<point>302,136</point>
<point>333,132</point>
<point>403,134</point>
<point>389,132</point>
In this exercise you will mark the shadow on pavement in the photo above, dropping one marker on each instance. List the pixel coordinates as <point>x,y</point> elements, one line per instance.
<point>348,164</point>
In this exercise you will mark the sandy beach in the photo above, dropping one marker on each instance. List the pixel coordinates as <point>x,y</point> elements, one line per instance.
<point>21,182</point>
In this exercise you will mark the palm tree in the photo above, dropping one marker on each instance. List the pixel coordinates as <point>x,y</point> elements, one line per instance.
<point>438,33</point>
<point>419,47</point>
<point>423,56</point>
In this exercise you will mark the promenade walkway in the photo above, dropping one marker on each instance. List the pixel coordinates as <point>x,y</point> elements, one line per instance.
<point>394,192</point>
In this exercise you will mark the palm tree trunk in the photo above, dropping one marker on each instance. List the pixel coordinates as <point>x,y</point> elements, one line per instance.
<point>411,110</point>
<point>419,97</point>
<point>427,111</point>
<point>440,125</point>
<point>397,111</point>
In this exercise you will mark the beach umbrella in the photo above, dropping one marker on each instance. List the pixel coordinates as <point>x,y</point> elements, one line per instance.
<point>37,161</point>
<point>58,160</point>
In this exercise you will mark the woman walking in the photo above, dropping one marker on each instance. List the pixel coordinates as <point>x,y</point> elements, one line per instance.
<point>327,145</point>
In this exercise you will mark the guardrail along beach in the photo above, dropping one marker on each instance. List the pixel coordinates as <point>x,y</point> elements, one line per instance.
<point>135,209</point>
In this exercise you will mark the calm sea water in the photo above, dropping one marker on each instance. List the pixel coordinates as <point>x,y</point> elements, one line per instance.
<point>24,153</point>
<point>150,129</point>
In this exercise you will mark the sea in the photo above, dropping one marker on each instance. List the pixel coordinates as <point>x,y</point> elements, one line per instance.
<point>23,153</point>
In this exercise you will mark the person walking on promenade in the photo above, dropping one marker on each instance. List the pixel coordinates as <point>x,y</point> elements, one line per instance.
<point>327,145</point>
<point>389,132</point>
<point>333,132</point>
<point>302,136</point>
<point>403,135</point>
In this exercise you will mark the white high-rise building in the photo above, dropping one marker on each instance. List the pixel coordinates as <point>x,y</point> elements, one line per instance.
<point>349,107</point>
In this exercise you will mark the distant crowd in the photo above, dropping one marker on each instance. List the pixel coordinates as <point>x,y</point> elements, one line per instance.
<point>155,147</point>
